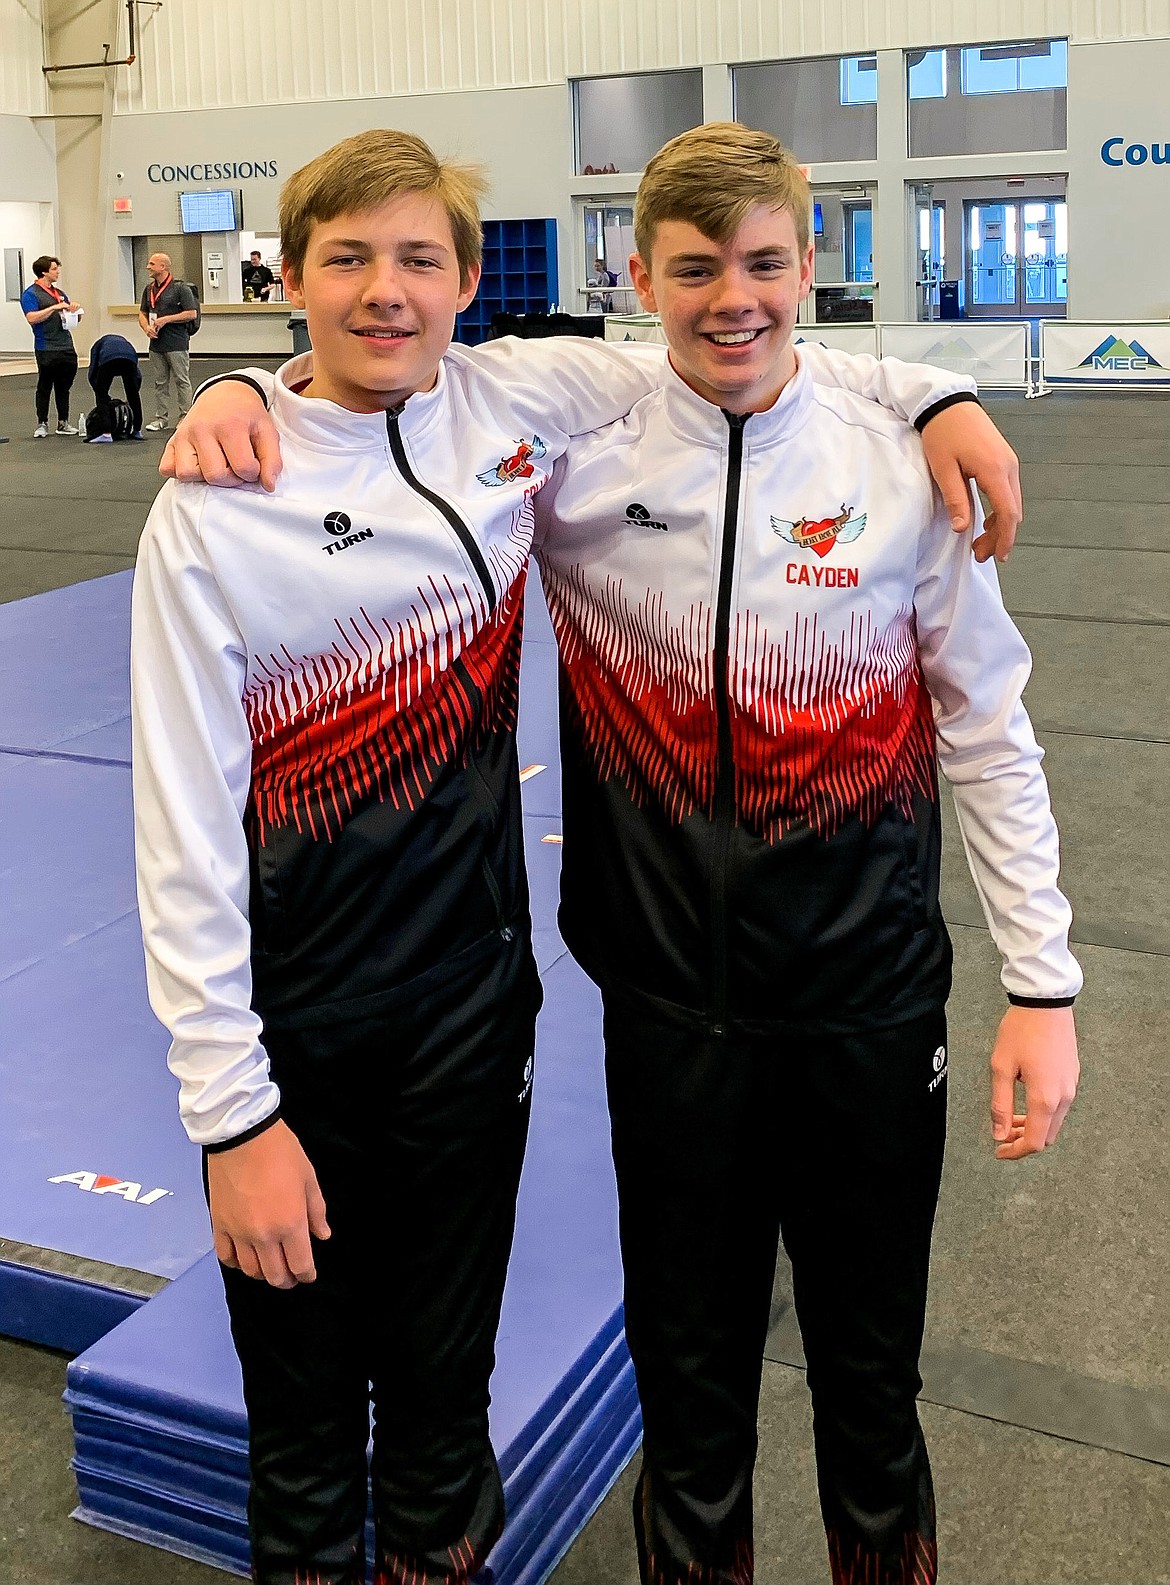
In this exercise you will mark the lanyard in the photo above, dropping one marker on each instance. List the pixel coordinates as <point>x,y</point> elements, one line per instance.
<point>157,291</point>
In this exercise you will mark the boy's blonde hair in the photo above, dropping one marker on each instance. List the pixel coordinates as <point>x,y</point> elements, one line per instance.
<point>712,176</point>
<point>362,173</point>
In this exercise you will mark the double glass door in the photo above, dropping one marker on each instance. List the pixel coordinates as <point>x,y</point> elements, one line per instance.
<point>1016,258</point>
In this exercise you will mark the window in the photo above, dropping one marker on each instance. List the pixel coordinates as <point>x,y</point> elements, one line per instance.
<point>823,108</point>
<point>859,80</point>
<point>623,121</point>
<point>926,72</point>
<point>1015,68</point>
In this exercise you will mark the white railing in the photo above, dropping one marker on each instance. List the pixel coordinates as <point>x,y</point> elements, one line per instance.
<point>1090,354</point>
<point>994,354</point>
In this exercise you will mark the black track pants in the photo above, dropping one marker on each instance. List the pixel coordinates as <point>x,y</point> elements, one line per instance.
<point>56,372</point>
<point>102,378</point>
<point>416,1124</point>
<point>722,1144</point>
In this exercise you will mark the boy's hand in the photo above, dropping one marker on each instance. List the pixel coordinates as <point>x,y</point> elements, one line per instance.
<point>264,1204</point>
<point>1038,1046</point>
<point>961,444</point>
<point>227,438</point>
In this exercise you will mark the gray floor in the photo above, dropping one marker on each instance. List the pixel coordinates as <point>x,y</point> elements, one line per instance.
<point>1047,1366</point>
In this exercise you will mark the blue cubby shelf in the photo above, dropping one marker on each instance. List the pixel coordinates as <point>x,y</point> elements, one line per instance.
<point>519,275</point>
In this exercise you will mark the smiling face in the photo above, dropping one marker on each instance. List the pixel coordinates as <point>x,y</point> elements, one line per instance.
<point>728,309</point>
<point>380,290</point>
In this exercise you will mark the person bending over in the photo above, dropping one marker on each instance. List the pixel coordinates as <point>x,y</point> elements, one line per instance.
<point>112,358</point>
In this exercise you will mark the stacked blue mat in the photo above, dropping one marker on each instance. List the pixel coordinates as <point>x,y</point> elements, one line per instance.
<point>160,1431</point>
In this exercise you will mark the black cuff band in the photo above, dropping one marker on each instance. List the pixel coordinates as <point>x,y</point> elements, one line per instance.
<point>242,1139</point>
<point>920,422</point>
<point>1041,1001</point>
<point>244,379</point>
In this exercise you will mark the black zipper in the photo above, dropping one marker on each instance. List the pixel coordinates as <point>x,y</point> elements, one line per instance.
<point>724,814</point>
<point>463,532</point>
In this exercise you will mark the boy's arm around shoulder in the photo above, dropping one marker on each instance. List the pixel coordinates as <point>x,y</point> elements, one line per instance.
<point>960,442</point>
<point>571,385</point>
<point>191,774</point>
<point>975,664</point>
<point>227,438</point>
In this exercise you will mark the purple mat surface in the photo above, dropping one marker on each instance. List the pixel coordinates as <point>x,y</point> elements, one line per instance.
<point>85,1089</point>
<point>68,866</point>
<point>65,663</point>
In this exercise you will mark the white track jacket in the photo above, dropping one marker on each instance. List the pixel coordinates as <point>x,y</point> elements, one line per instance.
<point>768,631</point>
<point>324,696</point>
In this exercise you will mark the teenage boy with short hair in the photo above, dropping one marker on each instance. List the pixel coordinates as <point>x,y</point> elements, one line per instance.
<point>438,450</point>
<point>329,854</point>
<point>759,668</point>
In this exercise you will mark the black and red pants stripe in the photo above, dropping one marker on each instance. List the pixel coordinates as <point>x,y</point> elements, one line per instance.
<point>415,1120</point>
<point>723,1144</point>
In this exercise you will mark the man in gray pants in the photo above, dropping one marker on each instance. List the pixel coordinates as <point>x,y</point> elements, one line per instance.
<point>166,314</point>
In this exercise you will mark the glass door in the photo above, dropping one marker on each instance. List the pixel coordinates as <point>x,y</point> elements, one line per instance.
<point>1045,233</point>
<point>1017,258</point>
<point>607,231</point>
<point>993,276</point>
<point>858,241</point>
<point>930,222</point>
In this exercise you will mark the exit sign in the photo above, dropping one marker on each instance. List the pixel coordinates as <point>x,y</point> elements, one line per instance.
<point>123,206</point>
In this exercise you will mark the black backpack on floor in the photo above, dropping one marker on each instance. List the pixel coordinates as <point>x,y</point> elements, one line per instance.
<point>120,417</point>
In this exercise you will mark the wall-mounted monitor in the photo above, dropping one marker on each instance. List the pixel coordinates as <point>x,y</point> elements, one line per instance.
<point>818,221</point>
<point>220,209</point>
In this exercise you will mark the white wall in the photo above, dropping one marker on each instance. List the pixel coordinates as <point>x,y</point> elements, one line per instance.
<point>22,83</point>
<point>502,131</point>
<point>221,53</point>
<point>1119,219</point>
<point>524,134</point>
<point>28,193</point>
<point>27,226</point>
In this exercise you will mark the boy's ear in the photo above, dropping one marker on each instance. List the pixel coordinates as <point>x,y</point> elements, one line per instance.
<point>807,265</point>
<point>292,285</point>
<point>469,289</point>
<point>643,285</point>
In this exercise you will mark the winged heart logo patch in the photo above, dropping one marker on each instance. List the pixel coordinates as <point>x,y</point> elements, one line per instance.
<point>820,534</point>
<point>517,466</point>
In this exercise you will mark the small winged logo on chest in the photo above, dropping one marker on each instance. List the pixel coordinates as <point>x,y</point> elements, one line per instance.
<point>517,466</point>
<point>820,534</point>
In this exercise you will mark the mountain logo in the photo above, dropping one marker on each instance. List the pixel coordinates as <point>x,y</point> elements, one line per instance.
<point>1119,356</point>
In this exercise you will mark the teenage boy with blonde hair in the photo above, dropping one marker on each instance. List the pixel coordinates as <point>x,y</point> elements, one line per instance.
<point>353,697</point>
<point>762,657</point>
<point>330,868</point>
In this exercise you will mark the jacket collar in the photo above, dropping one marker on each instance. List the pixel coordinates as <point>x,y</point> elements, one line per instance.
<point>693,418</point>
<point>317,422</point>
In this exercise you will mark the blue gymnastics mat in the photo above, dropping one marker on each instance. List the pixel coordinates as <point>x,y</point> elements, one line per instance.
<point>157,1407</point>
<point>85,1094</point>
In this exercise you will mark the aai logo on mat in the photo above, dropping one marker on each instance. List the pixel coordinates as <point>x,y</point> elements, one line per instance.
<point>121,1188</point>
<point>1119,356</point>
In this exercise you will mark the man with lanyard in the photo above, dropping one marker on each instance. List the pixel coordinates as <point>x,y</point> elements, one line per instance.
<point>45,306</point>
<point>166,313</point>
